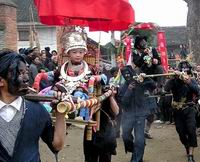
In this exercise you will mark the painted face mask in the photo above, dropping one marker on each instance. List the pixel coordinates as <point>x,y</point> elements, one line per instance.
<point>17,79</point>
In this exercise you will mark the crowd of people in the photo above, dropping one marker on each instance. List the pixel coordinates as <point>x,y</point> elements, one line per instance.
<point>135,101</point>
<point>39,61</point>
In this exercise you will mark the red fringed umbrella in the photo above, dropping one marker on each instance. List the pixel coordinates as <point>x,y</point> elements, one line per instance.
<point>98,15</point>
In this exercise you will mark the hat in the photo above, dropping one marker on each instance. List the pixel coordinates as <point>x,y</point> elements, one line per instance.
<point>47,49</point>
<point>138,40</point>
<point>28,51</point>
<point>74,40</point>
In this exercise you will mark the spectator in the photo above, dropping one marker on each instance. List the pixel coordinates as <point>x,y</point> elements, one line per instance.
<point>54,53</point>
<point>183,51</point>
<point>47,51</point>
<point>53,64</point>
<point>33,69</point>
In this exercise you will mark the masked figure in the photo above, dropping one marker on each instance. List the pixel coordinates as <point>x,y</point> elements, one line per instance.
<point>185,92</point>
<point>147,59</point>
<point>133,102</point>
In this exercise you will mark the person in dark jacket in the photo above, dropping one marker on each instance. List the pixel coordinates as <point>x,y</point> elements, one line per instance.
<point>114,72</point>
<point>28,53</point>
<point>103,144</point>
<point>23,122</point>
<point>185,92</point>
<point>33,68</point>
<point>53,64</point>
<point>132,98</point>
<point>47,51</point>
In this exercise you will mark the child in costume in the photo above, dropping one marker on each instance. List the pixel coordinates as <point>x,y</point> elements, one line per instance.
<point>76,77</point>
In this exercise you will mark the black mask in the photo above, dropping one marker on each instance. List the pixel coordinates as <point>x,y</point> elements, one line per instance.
<point>142,45</point>
<point>128,73</point>
<point>18,79</point>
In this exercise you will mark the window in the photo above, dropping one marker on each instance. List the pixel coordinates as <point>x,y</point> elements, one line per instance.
<point>24,35</point>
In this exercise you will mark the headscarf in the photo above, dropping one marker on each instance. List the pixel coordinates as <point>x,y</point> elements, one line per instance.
<point>9,59</point>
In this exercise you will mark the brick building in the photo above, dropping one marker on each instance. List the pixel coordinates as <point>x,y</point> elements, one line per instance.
<point>25,20</point>
<point>8,26</point>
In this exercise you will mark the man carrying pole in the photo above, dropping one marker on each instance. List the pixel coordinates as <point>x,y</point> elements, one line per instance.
<point>23,122</point>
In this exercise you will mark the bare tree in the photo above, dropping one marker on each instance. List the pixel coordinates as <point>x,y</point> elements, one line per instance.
<point>193,28</point>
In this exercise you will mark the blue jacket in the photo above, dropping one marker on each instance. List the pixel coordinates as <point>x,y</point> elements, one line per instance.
<point>134,101</point>
<point>35,124</point>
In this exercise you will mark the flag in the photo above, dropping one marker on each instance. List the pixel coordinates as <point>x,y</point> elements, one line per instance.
<point>162,48</point>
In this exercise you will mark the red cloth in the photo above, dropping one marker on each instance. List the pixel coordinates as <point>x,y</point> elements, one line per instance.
<point>98,15</point>
<point>128,41</point>
<point>162,48</point>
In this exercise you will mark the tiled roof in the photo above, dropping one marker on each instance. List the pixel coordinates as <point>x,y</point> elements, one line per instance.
<point>23,10</point>
<point>175,35</point>
<point>8,2</point>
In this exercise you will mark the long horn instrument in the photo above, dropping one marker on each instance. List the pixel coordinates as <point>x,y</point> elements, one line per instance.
<point>67,106</point>
<point>155,75</point>
<point>42,98</point>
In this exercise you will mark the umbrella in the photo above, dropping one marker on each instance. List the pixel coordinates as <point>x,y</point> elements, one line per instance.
<point>98,15</point>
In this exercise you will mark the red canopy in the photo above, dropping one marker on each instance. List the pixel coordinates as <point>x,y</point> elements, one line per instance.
<point>97,14</point>
<point>145,26</point>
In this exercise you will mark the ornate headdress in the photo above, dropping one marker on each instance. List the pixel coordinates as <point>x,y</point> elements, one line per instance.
<point>74,40</point>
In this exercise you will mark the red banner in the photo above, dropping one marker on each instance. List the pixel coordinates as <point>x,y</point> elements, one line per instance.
<point>162,49</point>
<point>127,42</point>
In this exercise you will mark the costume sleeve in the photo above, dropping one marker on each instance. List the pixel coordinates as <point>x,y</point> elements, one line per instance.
<point>194,87</point>
<point>168,86</point>
<point>156,55</point>
<point>48,131</point>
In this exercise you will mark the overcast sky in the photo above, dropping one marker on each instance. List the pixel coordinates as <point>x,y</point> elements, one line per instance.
<point>161,12</point>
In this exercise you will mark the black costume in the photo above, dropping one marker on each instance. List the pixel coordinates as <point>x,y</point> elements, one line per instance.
<point>103,142</point>
<point>184,110</point>
<point>143,58</point>
<point>184,116</point>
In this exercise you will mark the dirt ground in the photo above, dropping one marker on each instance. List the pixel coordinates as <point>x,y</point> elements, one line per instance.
<point>164,147</point>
